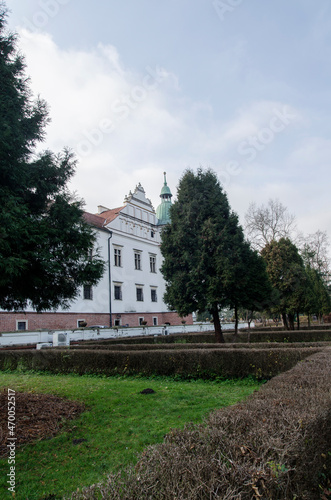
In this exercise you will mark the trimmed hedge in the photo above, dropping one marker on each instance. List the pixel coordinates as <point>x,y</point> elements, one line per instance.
<point>276,445</point>
<point>196,363</point>
<point>303,326</point>
<point>179,346</point>
<point>286,336</point>
<point>244,336</point>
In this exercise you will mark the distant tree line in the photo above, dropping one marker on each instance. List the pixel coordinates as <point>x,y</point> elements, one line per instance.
<point>298,266</point>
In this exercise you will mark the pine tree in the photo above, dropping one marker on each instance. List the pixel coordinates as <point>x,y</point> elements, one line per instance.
<point>45,244</point>
<point>202,249</point>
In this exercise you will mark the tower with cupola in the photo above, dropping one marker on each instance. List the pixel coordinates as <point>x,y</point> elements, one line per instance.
<point>163,210</point>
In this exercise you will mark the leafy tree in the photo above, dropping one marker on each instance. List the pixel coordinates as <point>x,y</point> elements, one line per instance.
<point>45,244</point>
<point>287,274</point>
<point>202,249</point>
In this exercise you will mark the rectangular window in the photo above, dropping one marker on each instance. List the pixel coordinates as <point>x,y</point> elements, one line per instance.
<point>117,322</point>
<point>140,294</point>
<point>81,323</point>
<point>137,261</point>
<point>141,321</point>
<point>88,292</point>
<point>153,295</point>
<point>117,257</point>
<point>155,322</point>
<point>152,263</point>
<point>21,326</point>
<point>117,292</point>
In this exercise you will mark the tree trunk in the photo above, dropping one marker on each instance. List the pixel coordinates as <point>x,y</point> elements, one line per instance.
<point>235,336</point>
<point>291,321</point>
<point>298,321</point>
<point>285,323</point>
<point>219,338</point>
<point>308,321</point>
<point>236,320</point>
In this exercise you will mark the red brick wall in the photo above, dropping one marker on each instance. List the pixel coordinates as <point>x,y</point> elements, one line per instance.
<point>54,321</point>
<point>51,321</point>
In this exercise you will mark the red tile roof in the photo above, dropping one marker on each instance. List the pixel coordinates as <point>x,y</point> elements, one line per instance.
<point>101,220</point>
<point>110,215</point>
<point>94,220</point>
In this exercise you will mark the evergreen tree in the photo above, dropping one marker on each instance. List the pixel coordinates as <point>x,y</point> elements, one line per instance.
<point>317,297</point>
<point>255,292</point>
<point>247,284</point>
<point>202,249</point>
<point>45,245</point>
<point>287,274</point>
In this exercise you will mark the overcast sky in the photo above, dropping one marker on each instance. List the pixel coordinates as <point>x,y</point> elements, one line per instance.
<point>139,87</point>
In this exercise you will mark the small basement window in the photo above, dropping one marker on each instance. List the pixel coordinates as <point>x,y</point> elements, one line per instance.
<point>21,325</point>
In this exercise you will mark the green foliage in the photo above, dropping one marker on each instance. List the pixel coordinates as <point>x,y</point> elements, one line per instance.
<point>206,259</point>
<point>119,423</point>
<point>251,288</point>
<point>287,274</point>
<point>299,282</point>
<point>191,244</point>
<point>43,236</point>
<point>317,298</point>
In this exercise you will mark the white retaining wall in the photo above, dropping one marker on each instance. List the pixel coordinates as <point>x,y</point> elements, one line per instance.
<point>26,338</point>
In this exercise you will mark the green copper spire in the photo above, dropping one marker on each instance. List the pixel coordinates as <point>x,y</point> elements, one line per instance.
<point>162,211</point>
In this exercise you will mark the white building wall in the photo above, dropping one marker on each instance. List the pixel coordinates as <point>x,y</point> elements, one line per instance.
<point>134,231</point>
<point>100,293</point>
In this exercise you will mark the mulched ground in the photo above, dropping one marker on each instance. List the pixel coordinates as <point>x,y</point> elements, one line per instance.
<point>37,416</point>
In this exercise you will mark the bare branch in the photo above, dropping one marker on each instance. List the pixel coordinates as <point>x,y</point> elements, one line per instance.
<point>267,223</point>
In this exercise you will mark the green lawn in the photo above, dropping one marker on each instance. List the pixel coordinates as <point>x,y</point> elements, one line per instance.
<point>119,423</point>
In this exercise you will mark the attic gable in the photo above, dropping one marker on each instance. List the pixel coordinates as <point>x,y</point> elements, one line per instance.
<point>138,198</point>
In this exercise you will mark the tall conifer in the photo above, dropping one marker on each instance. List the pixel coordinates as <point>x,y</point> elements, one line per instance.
<point>204,250</point>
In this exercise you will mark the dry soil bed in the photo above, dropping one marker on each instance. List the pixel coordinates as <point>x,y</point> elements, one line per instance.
<point>37,416</point>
